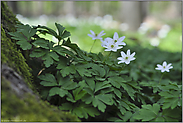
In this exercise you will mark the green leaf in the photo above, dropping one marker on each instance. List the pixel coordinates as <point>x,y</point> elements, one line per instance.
<point>81,69</point>
<point>101,85</point>
<point>105,98</point>
<point>114,119</point>
<point>63,51</point>
<point>122,109</point>
<point>48,77</point>
<point>50,31</point>
<point>90,82</point>
<point>148,112</point>
<point>66,34</point>
<point>118,93</point>
<point>159,119</point>
<point>172,115</point>
<point>89,90</point>
<point>49,58</point>
<point>42,43</point>
<point>67,70</point>
<point>24,44</point>
<point>79,93</point>
<point>70,98</point>
<point>17,36</point>
<point>99,78</point>
<point>62,63</point>
<point>100,56</point>
<point>100,104</point>
<point>26,30</point>
<point>60,29</point>
<point>124,104</point>
<point>166,105</point>
<point>129,90</point>
<point>56,90</point>
<point>83,110</point>
<point>92,111</point>
<point>66,106</point>
<point>171,98</point>
<point>69,85</point>
<point>87,99</point>
<point>38,52</point>
<point>134,73</point>
<point>114,81</point>
<point>48,80</point>
<point>72,46</point>
<point>126,116</point>
<point>99,70</point>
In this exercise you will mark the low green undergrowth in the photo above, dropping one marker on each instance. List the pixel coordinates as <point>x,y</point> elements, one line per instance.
<point>95,87</point>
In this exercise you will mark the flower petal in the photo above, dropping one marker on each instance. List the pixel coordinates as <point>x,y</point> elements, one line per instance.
<point>163,70</point>
<point>128,52</point>
<point>121,38</point>
<point>167,70</point>
<point>123,54</point>
<point>120,62</point>
<point>164,63</point>
<point>169,65</point>
<point>127,62</point>
<point>132,58</point>
<point>132,54</point>
<point>101,33</point>
<point>92,32</point>
<point>120,58</point>
<point>115,37</point>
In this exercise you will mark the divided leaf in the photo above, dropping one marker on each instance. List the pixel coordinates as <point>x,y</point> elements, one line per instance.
<point>67,70</point>
<point>56,90</point>
<point>48,80</point>
<point>49,58</point>
<point>148,112</point>
<point>41,43</point>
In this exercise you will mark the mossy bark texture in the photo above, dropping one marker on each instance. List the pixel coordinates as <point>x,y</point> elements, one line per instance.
<point>18,99</point>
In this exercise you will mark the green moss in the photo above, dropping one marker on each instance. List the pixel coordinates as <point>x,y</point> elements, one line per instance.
<point>8,19</point>
<point>29,109</point>
<point>11,56</point>
<point>9,53</point>
<point>13,108</point>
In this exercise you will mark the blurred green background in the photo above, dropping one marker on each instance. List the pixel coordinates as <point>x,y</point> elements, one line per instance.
<point>148,24</point>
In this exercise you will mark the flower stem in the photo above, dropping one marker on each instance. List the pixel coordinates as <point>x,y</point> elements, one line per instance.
<point>92,45</point>
<point>123,67</point>
<point>161,78</point>
<point>107,57</point>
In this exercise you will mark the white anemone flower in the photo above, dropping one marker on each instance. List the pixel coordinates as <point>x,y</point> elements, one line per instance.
<point>105,41</point>
<point>117,40</point>
<point>96,36</point>
<point>126,58</point>
<point>164,67</point>
<point>110,45</point>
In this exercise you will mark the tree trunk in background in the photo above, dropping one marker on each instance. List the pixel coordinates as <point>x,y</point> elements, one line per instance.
<point>174,10</point>
<point>20,101</point>
<point>38,8</point>
<point>69,8</point>
<point>133,14</point>
<point>95,8</point>
<point>13,6</point>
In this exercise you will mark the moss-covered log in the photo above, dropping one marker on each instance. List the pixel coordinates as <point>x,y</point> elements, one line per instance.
<point>20,101</point>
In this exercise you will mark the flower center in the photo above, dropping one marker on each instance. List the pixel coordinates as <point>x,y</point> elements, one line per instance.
<point>126,58</point>
<point>96,35</point>
<point>163,66</point>
<point>115,41</point>
<point>112,46</point>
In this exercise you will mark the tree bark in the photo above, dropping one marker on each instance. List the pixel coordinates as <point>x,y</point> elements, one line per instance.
<point>133,13</point>
<point>19,100</point>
